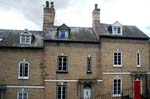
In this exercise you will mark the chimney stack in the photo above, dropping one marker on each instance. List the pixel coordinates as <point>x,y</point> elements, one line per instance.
<point>96,19</point>
<point>49,16</point>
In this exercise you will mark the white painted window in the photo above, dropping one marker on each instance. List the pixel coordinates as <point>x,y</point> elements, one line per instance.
<point>22,95</point>
<point>62,64</point>
<point>117,28</point>
<point>117,58</point>
<point>23,72</point>
<point>117,87</point>
<point>25,37</point>
<point>61,92</point>
<point>89,64</point>
<point>138,59</point>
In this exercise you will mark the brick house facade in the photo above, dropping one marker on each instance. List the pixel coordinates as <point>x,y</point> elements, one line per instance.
<point>64,62</point>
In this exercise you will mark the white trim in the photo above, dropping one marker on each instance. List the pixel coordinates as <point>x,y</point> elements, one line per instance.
<point>99,80</point>
<point>66,80</point>
<point>116,73</point>
<point>34,87</point>
<point>120,73</point>
<point>61,80</point>
<point>148,73</point>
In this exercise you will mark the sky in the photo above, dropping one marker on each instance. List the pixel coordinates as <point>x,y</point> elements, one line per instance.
<point>28,14</point>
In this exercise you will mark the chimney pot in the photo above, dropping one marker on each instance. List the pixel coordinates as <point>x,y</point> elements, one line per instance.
<point>47,4</point>
<point>52,4</point>
<point>96,6</point>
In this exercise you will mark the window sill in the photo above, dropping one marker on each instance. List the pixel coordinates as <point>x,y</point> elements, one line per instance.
<point>117,66</point>
<point>116,95</point>
<point>138,66</point>
<point>62,72</point>
<point>25,43</point>
<point>89,72</point>
<point>23,78</point>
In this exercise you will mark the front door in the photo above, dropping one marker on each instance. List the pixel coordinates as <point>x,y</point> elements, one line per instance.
<point>137,90</point>
<point>87,93</point>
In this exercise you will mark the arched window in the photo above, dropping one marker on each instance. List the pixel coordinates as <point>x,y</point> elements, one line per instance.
<point>138,59</point>
<point>23,70</point>
<point>89,64</point>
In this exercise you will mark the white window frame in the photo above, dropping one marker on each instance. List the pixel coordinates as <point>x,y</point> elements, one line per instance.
<point>25,37</point>
<point>22,92</point>
<point>61,86</point>
<point>24,62</point>
<point>62,59</point>
<point>115,28</point>
<point>117,51</point>
<point>118,94</point>
<point>138,59</point>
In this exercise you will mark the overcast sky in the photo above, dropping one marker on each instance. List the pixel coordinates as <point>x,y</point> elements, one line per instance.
<point>21,14</point>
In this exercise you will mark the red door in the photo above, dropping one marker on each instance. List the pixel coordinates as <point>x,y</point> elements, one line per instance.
<point>137,90</point>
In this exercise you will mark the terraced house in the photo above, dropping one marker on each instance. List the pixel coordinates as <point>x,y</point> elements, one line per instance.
<point>62,62</point>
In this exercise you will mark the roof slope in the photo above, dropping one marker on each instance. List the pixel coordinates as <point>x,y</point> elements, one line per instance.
<point>127,31</point>
<point>82,34</point>
<point>11,38</point>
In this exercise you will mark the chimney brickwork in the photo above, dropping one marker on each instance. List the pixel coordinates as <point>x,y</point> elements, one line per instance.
<point>49,16</point>
<point>96,19</point>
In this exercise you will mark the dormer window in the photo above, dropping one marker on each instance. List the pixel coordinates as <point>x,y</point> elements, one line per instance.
<point>25,37</point>
<point>63,32</point>
<point>117,28</point>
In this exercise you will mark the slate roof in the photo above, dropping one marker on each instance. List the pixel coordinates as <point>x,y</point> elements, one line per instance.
<point>11,38</point>
<point>77,34</point>
<point>127,32</point>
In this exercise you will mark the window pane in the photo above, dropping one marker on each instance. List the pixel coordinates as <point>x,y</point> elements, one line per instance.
<point>26,69</point>
<point>64,59</point>
<point>64,63</point>
<point>62,35</point>
<point>89,64</point>
<point>117,86</point>
<point>21,69</point>
<point>64,68</point>
<point>61,92</point>
<point>115,62</point>
<point>25,96</point>
<point>20,95</point>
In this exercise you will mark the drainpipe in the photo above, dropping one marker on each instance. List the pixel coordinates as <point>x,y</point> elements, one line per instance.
<point>146,85</point>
